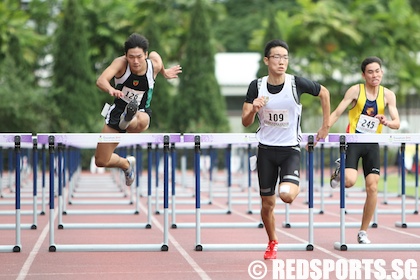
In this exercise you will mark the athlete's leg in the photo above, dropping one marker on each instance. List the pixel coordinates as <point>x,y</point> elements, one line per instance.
<point>105,156</point>
<point>267,178</point>
<point>268,204</point>
<point>350,177</point>
<point>371,169</point>
<point>139,123</point>
<point>371,199</point>
<point>289,175</point>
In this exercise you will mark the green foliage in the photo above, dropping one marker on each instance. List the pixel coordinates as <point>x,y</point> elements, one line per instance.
<point>272,31</point>
<point>328,40</point>
<point>199,106</point>
<point>23,108</point>
<point>17,38</point>
<point>75,93</point>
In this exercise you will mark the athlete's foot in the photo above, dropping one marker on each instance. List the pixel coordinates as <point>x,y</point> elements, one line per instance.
<point>362,237</point>
<point>335,177</point>
<point>271,251</point>
<point>128,114</point>
<point>130,172</point>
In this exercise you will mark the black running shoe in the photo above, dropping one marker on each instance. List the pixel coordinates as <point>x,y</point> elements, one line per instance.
<point>128,114</point>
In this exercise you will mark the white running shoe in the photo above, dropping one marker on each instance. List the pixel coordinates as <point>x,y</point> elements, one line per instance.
<point>128,114</point>
<point>362,237</point>
<point>335,177</point>
<point>130,172</point>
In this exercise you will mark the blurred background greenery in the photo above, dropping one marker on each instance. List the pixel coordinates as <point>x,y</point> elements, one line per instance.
<point>51,52</point>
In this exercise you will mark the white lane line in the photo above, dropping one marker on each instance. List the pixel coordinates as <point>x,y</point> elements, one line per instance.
<point>203,275</point>
<point>32,255</point>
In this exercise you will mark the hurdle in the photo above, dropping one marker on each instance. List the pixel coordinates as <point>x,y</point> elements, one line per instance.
<point>118,190</point>
<point>288,224</point>
<point>34,202</point>
<point>227,190</point>
<point>80,196</point>
<point>246,138</point>
<point>80,140</point>
<point>65,141</point>
<point>91,212</point>
<point>17,140</point>
<point>213,139</point>
<point>368,138</point>
<point>386,195</point>
<point>403,223</point>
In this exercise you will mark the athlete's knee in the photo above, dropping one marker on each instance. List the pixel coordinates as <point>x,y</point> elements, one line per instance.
<point>288,193</point>
<point>268,203</point>
<point>371,189</point>
<point>350,181</point>
<point>100,162</point>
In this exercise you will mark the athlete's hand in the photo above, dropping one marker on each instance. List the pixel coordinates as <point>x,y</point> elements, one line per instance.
<point>322,133</point>
<point>382,119</point>
<point>258,103</point>
<point>172,73</point>
<point>116,93</point>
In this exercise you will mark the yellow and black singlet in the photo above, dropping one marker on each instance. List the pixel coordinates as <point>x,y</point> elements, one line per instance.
<point>362,115</point>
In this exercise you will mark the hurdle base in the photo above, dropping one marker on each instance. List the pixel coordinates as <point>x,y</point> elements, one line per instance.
<point>10,248</point>
<point>218,225</point>
<point>102,212</point>
<point>253,247</point>
<point>108,247</point>
<point>205,211</point>
<point>407,225</point>
<point>376,247</point>
<point>13,226</point>
<point>401,225</point>
<point>104,226</point>
<point>100,202</point>
<point>324,225</point>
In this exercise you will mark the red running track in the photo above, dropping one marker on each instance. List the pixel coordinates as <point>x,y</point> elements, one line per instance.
<point>182,261</point>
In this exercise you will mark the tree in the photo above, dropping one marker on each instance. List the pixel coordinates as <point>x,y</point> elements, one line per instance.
<point>272,31</point>
<point>14,25</point>
<point>155,26</point>
<point>235,29</point>
<point>74,91</point>
<point>24,106</point>
<point>199,106</point>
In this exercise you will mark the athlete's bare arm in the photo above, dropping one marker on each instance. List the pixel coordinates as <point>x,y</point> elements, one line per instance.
<point>349,97</point>
<point>115,69</point>
<point>391,104</point>
<point>324,95</point>
<point>158,67</point>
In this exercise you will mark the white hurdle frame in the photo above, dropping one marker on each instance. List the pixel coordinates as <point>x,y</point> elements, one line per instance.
<point>403,223</point>
<point>33,194</point>
<point>17,139</point>
<point>241,139</point>
<point>80,140</point>
<point>370,138</point>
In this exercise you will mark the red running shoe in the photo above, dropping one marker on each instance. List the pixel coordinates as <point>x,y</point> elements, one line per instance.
<point>271,251</point>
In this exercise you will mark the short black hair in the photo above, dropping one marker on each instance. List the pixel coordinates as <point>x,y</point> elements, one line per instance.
<point>272,44</point>
<point>136,41</point>
<point>370,60</point>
